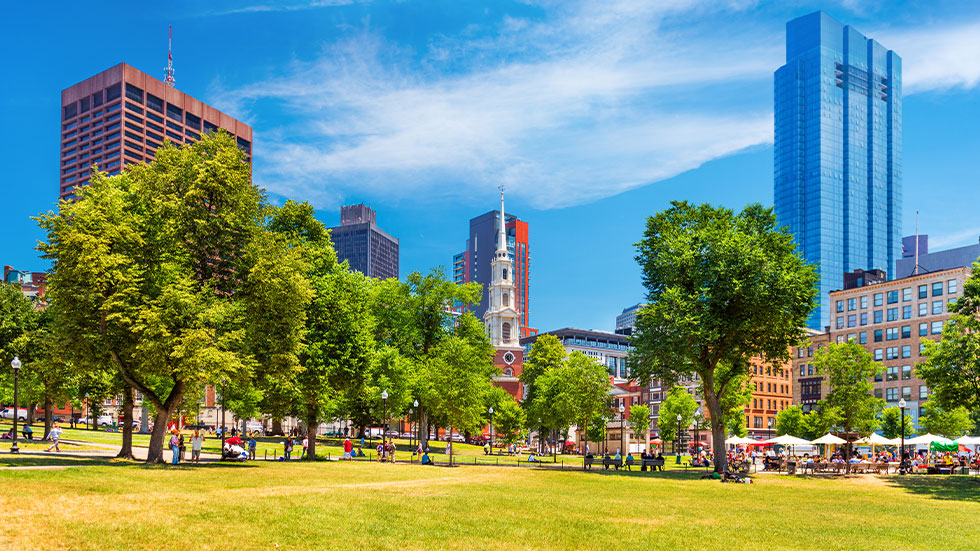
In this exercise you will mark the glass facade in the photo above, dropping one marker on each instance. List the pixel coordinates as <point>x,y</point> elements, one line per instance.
<point>838,151</point>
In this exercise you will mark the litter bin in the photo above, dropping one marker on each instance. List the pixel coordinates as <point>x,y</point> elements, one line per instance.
<point>791,467</point>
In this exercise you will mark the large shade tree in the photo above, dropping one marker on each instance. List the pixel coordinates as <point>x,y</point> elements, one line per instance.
<point>722,289</point>
<point>154,271</point>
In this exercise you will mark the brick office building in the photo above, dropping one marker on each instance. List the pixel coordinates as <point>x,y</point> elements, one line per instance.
<point>891,320</point>
<point>122,115</point>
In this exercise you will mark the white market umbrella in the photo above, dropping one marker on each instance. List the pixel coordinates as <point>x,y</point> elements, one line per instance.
<point>830,439</point>
<point>788,440</point>
<point>737,440</point>
<point>928,439</point>
<point>878,440</point>
<point>968,440</point>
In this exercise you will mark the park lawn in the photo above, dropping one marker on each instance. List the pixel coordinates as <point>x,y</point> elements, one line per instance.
<point>341,505</point>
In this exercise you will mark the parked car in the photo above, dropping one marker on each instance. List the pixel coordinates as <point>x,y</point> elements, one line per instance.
<point>458,438</point>
<point>392,434</point>
<point>8,413</point>
<point>407,435</point>
<point>105,420</point>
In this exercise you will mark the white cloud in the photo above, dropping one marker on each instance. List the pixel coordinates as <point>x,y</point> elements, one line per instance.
<point>938,57</point>
<point>595,100</point>
<point>956,239</point>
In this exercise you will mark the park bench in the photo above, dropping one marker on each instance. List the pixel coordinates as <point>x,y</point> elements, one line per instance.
<point>611,462</point>
<point>653,463</point>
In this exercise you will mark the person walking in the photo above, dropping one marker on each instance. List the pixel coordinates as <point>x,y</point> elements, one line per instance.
<point>287,447</point>
<point>197,441</point>
<point>54,435</point>
<point>251,447</point>
<point>174,447</point>
<point>306,444</point>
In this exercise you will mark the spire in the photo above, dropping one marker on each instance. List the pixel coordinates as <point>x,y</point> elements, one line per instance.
<point>169,70</point>
<point>502,240</point>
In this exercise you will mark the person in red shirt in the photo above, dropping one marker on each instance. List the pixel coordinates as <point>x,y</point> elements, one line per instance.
<point>348,447</point>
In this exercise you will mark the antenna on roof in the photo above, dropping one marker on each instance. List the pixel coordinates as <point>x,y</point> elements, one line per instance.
<point>169,71</point>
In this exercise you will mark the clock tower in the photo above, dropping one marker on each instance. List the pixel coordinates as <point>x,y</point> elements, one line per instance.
<point>502,320</point>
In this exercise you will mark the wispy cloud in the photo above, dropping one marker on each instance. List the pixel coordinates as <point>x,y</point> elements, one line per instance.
<point>938,57</point>
<point>587,102</point>
<point>965,237</point>
<point>278,7</point>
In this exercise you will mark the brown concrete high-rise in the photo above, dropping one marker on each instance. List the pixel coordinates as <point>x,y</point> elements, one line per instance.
<point>122,115</point>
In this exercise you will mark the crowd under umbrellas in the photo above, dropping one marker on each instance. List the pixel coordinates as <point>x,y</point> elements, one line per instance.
<point>935,454</point>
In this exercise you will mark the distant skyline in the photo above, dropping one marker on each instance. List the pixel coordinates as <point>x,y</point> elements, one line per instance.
<point>595,115</point>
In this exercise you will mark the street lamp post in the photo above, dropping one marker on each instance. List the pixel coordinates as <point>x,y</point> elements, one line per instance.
<point>677,439</point>
<point>224,390</point>
<point>622,426</point>
<point>697,435</point>
<point>15,365</point>
<point>384,419</point>
<point>491,430</point>
<point>411,417</point>
<point>901,461</point>
<point>418,423</point>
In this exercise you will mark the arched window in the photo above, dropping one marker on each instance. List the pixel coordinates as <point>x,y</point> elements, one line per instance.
<point>506,299</point>
<point>505,274</point>
<point>506,331</point>
<point>509,372</point>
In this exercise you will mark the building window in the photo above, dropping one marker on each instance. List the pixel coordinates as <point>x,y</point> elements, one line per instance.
<point>864,301</point>
<point>852,320</point>
<point>134,93</point>
<point>840,303</point>
<point>69,111</point>
<point>864,318</point>
<point>878,393</point>
<point>175,113</point>
<point>154,103</point>
<point>840,322</point>
<point>891,353</point>
<point>891,394</point>
<point>245,145</point>
<point>891,334</point>
<point>193,121</point>
<point>851,304</point>
<point>923,291</point>
<point>923,329</point>
<point>113,92</point>
<point>506,331</point>
<point>906,372</point>
<point>951,286</point>
<point>878,316</point>
<point>892,297</point>
<point>893,314</point>
<point>863,337</point>
<point>96,101</point>
<point>809,370</point>
<point>878,377</point>
<point>923,392</point>
<point>937,307</point>
<point>906,331</point>
<point>878,356</point>
<point>877,335</point>
<point>937,289</point>
<point>802,370</point>
<point>937,327</point>
<point>907,294</point>
<point>892,374</point>
<point>878,297</point>
<point>907,392</point>
<point>923,309</point>
<point>85,106</point>
<point>907,312</point>
<point>210,127</point>
<point>907,351</point>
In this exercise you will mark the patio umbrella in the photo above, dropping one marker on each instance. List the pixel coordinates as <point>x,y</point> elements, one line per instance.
<point>928,439</point>
<point>829,439</point>
<point>737,440</point>
<point>877,440</point>
<point>789,441</point>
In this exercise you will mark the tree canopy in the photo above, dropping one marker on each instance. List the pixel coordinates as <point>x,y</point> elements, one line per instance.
<point>722,289</point>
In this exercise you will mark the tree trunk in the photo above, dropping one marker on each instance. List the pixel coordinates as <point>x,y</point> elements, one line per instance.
<point>155,452</point>
<point>452,448</point>
<point>30,413</point>
<point>717,426</point>
<point>311,425</point>
<point>276,427</point>
<point>126,452</point>
<point>48,413</point>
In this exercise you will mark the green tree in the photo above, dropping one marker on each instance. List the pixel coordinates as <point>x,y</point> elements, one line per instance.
<point>678,402</point>
<point>639,421</point>
<point>790,421</point>
<point>547,354</point>
<point>460,376</point>
<point>848,369</point>
<point>154,273</point>
<point>17,320</point>
<point>952,367</point>
<point>819,422</point>
<point>891,423</point>
<point>509,420</point>
<point>735,400</point>
<point>951,423</point>
<point>589,393</point>
<point>722,289</point>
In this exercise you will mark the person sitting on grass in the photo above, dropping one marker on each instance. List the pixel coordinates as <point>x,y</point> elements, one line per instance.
<point>486,449</point>
<point>426,460</point>
<point>531,458</point>
<point>28,432</point>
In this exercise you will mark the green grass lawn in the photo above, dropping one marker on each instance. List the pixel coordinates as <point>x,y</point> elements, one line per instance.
<point>265,505</point>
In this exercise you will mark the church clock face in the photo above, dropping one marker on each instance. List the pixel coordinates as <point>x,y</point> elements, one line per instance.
<point>509,357</point>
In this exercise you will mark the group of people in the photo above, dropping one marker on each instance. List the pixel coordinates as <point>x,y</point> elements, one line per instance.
<point>54,435</point>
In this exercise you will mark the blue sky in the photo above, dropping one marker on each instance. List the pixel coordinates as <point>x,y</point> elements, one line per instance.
<point>594,115</point>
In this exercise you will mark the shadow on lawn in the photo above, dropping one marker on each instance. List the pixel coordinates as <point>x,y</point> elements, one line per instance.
<point>952,487</point>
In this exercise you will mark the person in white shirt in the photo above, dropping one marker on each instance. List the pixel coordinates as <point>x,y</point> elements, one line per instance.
<point>54,435</point>
<point>197,440</point>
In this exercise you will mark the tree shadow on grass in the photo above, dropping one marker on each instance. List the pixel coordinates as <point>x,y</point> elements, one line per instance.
<point>951,487</point>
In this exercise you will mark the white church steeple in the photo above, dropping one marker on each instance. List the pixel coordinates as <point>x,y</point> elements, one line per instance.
<point>501,318</point>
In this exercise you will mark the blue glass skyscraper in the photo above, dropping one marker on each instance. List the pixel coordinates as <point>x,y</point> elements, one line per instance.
<point>838,151</point>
